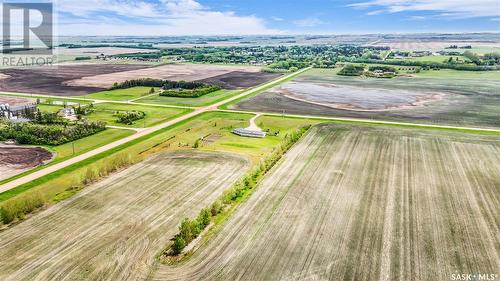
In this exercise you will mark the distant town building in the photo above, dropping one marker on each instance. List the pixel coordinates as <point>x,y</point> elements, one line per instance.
<point>15,107</point>
<point>249,133</point>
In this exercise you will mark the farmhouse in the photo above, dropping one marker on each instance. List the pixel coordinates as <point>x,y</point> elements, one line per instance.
<point>15,107</point>
<point>249,133</point>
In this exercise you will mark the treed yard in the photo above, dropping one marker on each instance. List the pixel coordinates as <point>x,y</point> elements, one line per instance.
<point>361,203</point>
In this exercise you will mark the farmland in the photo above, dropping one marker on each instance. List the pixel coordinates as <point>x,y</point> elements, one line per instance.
<point>362,203</point>
<point>456,97</point>
<point>174,72</point>
<point>121,220</point>
<point>51,80</point>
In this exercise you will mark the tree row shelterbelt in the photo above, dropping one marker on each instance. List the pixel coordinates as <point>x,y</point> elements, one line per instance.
<point>182,89</point>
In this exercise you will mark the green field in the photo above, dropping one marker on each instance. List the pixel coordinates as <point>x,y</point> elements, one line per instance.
<point>154,114</point>
<point>200,101</point>
<point>121,94</point>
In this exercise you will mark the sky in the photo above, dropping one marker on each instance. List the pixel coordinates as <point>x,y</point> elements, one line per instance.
<point>263,17</point>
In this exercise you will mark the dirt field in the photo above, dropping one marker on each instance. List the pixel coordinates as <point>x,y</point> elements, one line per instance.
<point>49,80</point>
<point>431,45</point>
<point>114,229</point>
<point>16,159</point>
<point>240,79</point>
<point>354,98</point>
<point>188,72</point>
<point>363,204</point>
<point>439,99</point>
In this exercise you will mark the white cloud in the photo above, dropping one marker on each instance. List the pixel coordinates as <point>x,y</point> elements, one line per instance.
<point>451,8</point>
<point>448,8</point>
<point>277,18</point>
<point>308,22</point>
<point>161,17</point>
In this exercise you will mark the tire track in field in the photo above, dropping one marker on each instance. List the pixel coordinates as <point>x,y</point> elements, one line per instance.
<point>361,204</point>
<point>114,229</point>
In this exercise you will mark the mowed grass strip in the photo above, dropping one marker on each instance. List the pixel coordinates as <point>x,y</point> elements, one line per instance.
<point>154,114</point>
<point>363,203</point>
<point>121,94</point>
<point>204,100</point>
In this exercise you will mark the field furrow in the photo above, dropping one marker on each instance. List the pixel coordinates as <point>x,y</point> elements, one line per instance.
<point>113,230</point>
<point>357,203</point>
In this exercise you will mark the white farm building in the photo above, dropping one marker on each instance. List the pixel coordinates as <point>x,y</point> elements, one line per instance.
<point>249,133</point>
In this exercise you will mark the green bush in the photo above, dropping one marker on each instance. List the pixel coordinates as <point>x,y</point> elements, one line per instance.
<point>179,245</point>
<point>190,93</point>
<point>352,70</point>
<point>129,117</point>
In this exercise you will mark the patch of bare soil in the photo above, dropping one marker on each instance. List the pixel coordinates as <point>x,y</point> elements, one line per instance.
<point>187,72</point>
<point>50,80</point>
<point>241,79</point>
<point>16,159</point>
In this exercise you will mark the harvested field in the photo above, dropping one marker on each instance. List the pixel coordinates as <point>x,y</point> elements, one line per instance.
<point>50,80</point>
<point>17,159</point>
<point>431,45</point>
<point>187,72</point>
<point>93,52</point>
<point>113,230</point>
<point>241,80</point>
<point>453,98</point>
<point>363,203</point>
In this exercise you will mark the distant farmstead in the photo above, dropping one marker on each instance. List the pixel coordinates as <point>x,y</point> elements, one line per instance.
<point>249,133</point>
<point>14,107</point>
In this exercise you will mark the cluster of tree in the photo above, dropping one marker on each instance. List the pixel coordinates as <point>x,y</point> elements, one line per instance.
<point>164,84</point>
<point>431,65</point>
<point>190,229</point>
<point>279,57</point>
<point>352,70</point>
<point>83,58</point>
<point>190,93</point>
<point>382,68</point>
<point>48,134</point>
<point>129,117</point>
<point>46,118</point>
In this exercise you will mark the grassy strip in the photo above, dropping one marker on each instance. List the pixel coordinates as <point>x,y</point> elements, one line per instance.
<point>223,206</point>
<point>226,105</point>
<point>399,125</point>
